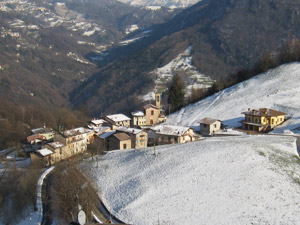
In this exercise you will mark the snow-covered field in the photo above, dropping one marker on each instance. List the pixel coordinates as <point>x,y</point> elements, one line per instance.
<point>278,89</point>
<point>229,180</point>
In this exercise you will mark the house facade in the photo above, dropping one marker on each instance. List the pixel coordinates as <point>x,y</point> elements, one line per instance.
<point>169,134</point>
<point>139,138</point>
<point>95,123</point>
<point>75,140</point>
<point>138,119</point>
<point>39,137</point>
<point>65,145</point>
<point>152,114</point>
<point>119,141</point>
<point>42,157</point>
<point>263,119</point>
<point>209,126</point>
<point>117,120</point>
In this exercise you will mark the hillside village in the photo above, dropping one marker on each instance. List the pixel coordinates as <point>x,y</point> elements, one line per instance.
<point>150,127</point>
<point>227,151</point>
<point>143,129</point>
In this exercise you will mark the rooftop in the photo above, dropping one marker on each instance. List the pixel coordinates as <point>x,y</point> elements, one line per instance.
<point>102,129</point>
<point>44,152</point>
<point>171,130</point>
<point>138,113</point>
<point>41,130</point>
<point>75,132</point>
<point>107,134</point>
<point>55,145</point>
<point>118,117</point>
<point>36,136</point>
<point>208,121</point>
<point>121,136</point>
<point>98,121</point>
<point>151,106</point>
<point>129,130</point>
<point>264,112</point>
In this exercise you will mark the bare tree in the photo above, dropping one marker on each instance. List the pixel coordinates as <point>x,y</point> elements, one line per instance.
<point>71,189</point>
<point>18,192</point>
<point>96,148</point>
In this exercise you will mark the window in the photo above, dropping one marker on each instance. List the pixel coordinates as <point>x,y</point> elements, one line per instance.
<point>215,125</point>
<point>124,146</point>
<point>152,112</point>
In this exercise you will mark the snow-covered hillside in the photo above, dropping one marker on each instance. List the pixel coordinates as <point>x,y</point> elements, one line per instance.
<point>165,3</point>
<point>181,65</point>
<point>278,89</point>
<point>229,180</point>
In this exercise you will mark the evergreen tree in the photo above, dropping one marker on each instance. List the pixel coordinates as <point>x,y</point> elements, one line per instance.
<point>176,93</point>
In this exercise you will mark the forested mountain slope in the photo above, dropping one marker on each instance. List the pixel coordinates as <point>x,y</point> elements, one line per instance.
<point>225,35</point>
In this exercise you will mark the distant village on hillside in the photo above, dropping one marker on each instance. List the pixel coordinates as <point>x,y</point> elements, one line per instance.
<point>145,128</point>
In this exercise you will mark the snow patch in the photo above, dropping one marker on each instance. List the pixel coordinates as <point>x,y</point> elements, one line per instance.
<point>278,89</point>
<point>181,65</point>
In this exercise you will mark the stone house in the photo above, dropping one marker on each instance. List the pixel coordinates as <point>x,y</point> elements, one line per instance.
<point>42,156</point>
<point>38,138</point>
<point>96,123</point>
<point>139,138</point>
<point>102,139</point>
<point>119,141</point>
<point>75,139</point>
<point>170,134</point>
<point>117,120</point>
<point>65,145</point>
<point>51,153</point>
<point>263,119</point>
<point>209,126</point>
<point>34,142</point>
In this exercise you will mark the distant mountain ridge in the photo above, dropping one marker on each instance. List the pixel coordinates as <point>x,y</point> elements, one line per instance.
<point>165,3</point>
<point>225,35</point>
<point>44,44</point>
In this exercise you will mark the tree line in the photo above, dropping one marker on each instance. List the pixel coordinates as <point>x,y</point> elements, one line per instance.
<point>290,52</point>
<point>16,121</point>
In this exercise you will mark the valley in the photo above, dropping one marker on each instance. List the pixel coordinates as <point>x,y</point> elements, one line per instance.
<point>171,112</point>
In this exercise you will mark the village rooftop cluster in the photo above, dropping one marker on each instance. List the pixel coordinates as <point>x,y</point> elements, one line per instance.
<point>144,128</point>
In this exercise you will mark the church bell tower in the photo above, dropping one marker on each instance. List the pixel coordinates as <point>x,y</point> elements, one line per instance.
<point>157,100</point>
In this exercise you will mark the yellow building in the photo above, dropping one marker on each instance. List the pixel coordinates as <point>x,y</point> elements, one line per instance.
<point>262,120</point>
<point>153,114</point>
<point>138,119</point>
